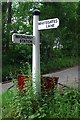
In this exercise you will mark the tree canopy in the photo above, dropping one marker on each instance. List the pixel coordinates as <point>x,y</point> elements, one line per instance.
<point>55,43</point>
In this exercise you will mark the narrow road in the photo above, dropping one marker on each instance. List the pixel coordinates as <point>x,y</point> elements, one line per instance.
<point>69,77</point>
<point>4,87</point>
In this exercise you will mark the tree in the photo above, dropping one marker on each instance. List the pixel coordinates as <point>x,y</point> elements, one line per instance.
<point>55,43</point>
<point>4,10</point>
<point>66,12</point>
<point>78,27</point>
<point>9,16</point>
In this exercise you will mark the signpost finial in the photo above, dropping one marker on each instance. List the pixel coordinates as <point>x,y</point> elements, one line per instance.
<point>36,12</point>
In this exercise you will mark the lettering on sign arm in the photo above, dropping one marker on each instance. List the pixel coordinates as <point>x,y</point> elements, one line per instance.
<point>49,25</point>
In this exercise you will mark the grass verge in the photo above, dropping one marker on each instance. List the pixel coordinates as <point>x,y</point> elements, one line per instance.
<point>55,104</point>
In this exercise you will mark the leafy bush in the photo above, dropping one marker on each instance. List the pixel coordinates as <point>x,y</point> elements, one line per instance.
<point>11,71</point>
<point>7,104</point>
<point>24,105</point>
<point>55,64</point>
<point>53,104</point>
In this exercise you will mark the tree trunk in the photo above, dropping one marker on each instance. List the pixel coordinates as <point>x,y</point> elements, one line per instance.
<point>4,10</point>
<point>8,25</point>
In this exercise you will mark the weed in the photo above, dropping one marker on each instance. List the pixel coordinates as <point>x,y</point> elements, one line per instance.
<point>24,105</point>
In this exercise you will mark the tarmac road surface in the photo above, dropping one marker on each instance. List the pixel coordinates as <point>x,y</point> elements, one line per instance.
<point>4,87</point>
<point>69,77</point>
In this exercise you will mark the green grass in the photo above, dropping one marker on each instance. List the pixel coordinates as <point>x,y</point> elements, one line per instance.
<point>7,104</point>
<point>12,70</point>
<point>51,65</point>
<point>0,105</point>
<point>24,105</point>
<point>55,64</point>
<point>54,104</point>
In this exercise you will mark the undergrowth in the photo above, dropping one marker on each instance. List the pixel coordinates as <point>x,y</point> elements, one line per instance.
<point>24,105</point>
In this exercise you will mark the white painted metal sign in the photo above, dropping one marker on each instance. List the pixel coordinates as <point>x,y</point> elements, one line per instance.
<point>22,38</point>
<point>48,24</point>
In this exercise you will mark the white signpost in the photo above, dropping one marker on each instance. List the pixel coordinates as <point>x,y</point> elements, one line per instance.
<point>36,56</point>
<point>39,25</point>
<point>29,39</point>
<point>22,38</point>
<point>48,24</point>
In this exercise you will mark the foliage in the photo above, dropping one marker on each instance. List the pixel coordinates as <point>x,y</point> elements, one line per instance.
<point>59,49</point>
<point>23,104</point>
<point>7,104</point>
<point>58,63</point>
<point>10,71</point>
<point>56,44</point>
<point>65,34</point>
<point>55,104</point>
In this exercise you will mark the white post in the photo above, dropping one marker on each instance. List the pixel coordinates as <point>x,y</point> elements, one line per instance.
<point>36,55</point>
